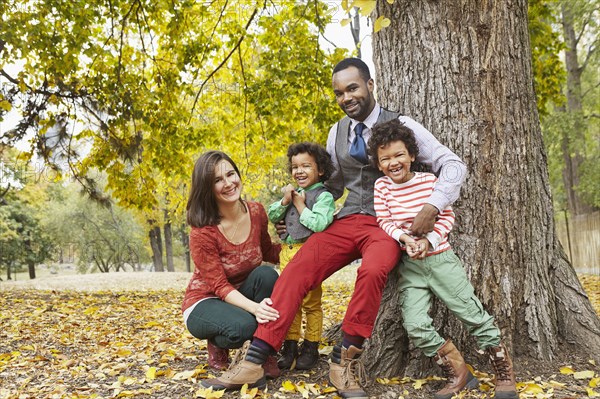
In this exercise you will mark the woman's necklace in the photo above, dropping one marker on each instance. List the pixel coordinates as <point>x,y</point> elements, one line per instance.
<point>235,229</point>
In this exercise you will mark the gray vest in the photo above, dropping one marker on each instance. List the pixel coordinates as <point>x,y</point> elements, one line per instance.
<point>294,228</point>
<point>359,179</point>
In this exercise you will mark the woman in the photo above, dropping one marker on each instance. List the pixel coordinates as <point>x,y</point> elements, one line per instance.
<point>229,291</point>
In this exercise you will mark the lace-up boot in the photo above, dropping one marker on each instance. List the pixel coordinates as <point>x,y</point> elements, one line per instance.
<point>503,370</point>
<point>245,368</point>
<point>455,370</point>
<point>346,372</point>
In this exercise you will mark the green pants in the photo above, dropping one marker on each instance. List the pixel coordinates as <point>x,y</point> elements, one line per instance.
<point>228,326</point>
<point>441,275</point>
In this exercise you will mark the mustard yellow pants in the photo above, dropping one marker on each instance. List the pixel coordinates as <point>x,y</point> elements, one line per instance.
<point>311,305</point>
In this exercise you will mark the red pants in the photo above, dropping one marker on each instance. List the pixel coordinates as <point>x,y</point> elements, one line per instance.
<point>345,240</point>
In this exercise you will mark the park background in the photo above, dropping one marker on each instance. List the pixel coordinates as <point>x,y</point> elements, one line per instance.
<point>104,109</point>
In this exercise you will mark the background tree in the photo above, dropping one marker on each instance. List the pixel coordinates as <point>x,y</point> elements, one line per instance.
<point>578,121</point>
<point>464,70</point>
<point>101,238</point>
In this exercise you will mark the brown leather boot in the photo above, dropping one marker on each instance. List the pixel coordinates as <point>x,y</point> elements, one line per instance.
<point>309,356</point>
<point>346,372</point>
<point>240,372</point>
<point>218,358</point>
<point>455,370</point>
<point>503,369</point>
<point>271,369</point>
<point>288,354</point>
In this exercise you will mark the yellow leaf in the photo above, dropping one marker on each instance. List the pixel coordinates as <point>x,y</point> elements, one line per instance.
<point>90,310</point>
<point>591,393</point>
<point>5,105</point>
<point>566,370</point>
<point>123,352</point>
<point>533,389</point>
<point>380,23</point>
<point>390,1</point>
<point>287,386</point>
<point>151,374</point>
<point>419,383</point>
<point>329,390</point>
<point>184,375</point>
<point>345,21</point>
<point>365,6</point>
<point>208,393</point>
<point>594,382</point>
<point>582,375</point>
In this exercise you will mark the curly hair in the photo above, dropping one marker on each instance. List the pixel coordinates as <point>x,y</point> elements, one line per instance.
<point>387,132</point>
<point>318,152</point>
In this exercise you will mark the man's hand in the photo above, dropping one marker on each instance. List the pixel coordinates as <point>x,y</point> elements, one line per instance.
<point>424,221</point>
<point>280,227</point>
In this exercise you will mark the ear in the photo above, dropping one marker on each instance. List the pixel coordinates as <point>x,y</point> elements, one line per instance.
<point>371,85</point>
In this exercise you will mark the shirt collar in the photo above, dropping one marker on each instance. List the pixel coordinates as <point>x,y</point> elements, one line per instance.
<point>370,120</point>
<point>317,184</point>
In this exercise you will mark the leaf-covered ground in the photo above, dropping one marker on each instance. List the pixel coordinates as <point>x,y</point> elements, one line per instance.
<point>128,340</point>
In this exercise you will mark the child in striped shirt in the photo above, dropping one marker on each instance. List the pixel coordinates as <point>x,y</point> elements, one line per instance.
<point>430,267</point>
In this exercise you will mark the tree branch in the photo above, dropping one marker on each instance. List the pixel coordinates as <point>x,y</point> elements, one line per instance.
<point>239,42</point>
<point>591,50</point>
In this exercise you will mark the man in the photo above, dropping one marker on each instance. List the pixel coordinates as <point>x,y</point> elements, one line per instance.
<point>353,234</point>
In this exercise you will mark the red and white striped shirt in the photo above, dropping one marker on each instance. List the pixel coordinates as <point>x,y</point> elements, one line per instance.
<point>397,205</point>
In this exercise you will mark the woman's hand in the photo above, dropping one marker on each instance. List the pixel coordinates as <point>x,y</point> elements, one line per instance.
<point>264,313</point>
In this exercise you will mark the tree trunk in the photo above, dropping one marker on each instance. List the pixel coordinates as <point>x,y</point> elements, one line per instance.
<point>168,242</point>
<point>156,245</point>
<point>571,154</point>
<point>463,69</point>
<point>31,267</point>
<point>185,241</point>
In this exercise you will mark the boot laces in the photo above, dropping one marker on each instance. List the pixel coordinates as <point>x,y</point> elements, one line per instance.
<point>447,369</point>
<point>501,367</point>
<point>239,355</point>
<point>355,372</point>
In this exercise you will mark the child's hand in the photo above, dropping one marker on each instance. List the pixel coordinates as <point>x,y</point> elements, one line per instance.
<point>287,194</point>
<point>299,200</point>
<point>412,249</point>
<point>420,249</point>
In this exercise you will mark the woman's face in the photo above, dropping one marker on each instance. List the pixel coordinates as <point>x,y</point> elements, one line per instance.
<point>228,186</point>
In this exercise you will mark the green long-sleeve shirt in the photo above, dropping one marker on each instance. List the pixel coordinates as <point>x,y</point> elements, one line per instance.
<point>315,219</point>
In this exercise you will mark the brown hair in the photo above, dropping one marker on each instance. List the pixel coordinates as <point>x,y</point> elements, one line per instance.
<point>202,209</point>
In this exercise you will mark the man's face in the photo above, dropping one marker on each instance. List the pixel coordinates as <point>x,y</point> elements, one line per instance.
<point>353,94</point>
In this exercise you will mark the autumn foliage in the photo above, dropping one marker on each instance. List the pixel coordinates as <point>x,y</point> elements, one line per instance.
<point>123,343</point>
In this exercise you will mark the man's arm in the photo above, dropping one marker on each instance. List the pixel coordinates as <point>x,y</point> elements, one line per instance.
<point>446,165</point>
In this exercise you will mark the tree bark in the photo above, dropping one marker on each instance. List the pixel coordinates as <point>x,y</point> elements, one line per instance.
<point>463,69</point>
<point>156,245</point>
<point>185,241</point>
<point>571,154</point>
<point>168,242</point>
